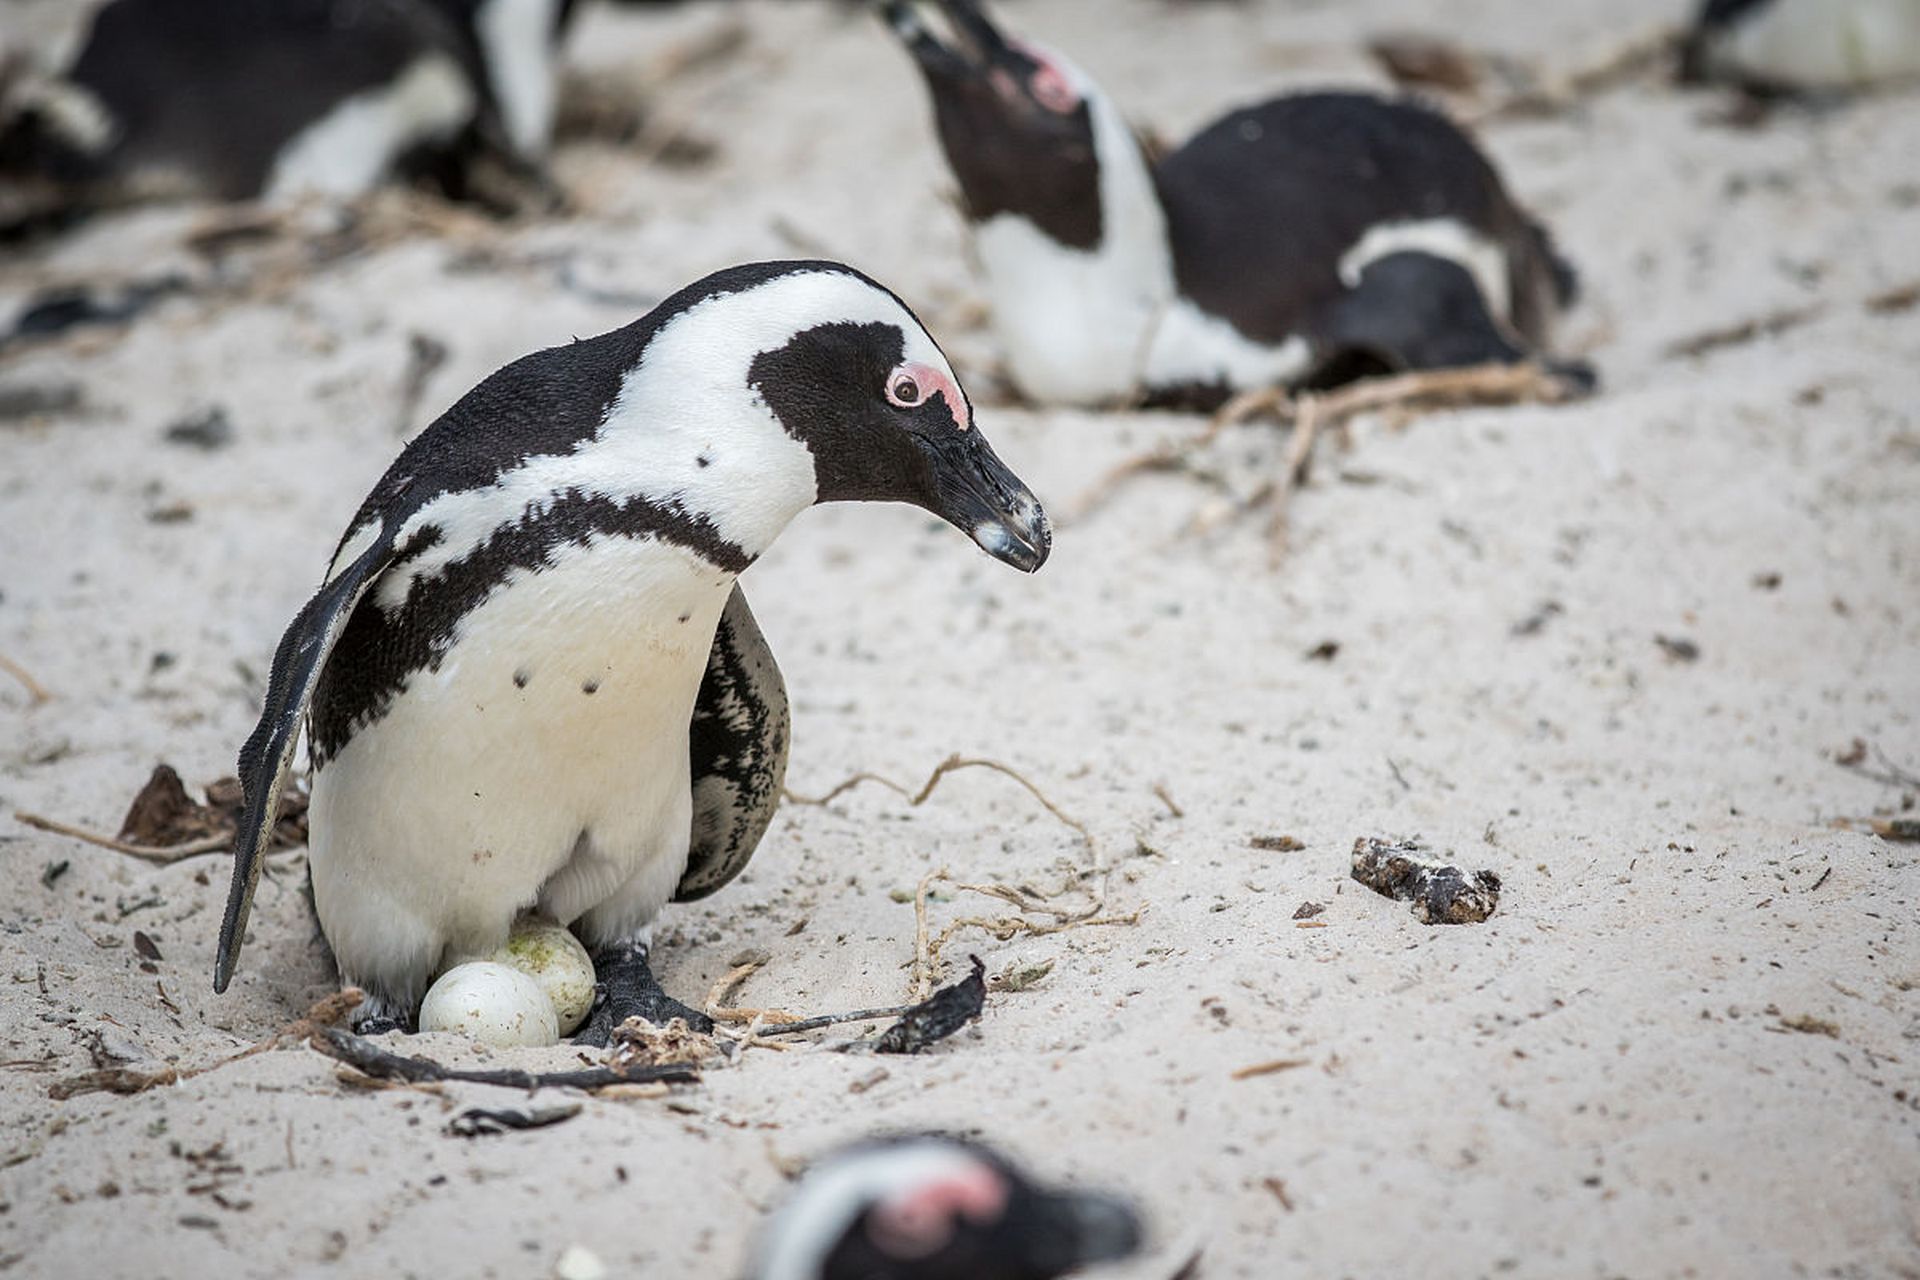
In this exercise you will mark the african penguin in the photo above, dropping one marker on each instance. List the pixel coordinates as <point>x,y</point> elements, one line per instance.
<point>1304,240</point>
<point>235,99</point>
<point>1802,45</point>
<point>516,44</point>
<point>930,1207</point>
<point>529,680</point>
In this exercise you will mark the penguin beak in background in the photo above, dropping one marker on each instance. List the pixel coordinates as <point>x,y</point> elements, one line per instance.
<point>976,493</point>
<point>984,43</point>
<point>1080,1228</point>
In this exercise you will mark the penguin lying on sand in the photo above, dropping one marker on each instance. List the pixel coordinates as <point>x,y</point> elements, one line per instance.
<point>936,1208</point>
<point>529,680</point>
<point>1308,239</point>
<point>235,99</point>
<point>1800,45</point>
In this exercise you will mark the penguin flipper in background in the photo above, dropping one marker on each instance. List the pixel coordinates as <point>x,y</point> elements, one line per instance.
<point>267,757</point>
<point>738,750</point>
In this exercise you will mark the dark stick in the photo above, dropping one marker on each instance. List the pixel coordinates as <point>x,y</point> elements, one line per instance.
<point>365,1056</point>
<point>831,1019</point>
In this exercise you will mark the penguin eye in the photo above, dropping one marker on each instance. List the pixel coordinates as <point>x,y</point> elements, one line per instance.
<point>904,391</point>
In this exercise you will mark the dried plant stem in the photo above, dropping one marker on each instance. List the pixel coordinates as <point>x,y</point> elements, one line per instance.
<point>38,692</point>
<point>159,855</point>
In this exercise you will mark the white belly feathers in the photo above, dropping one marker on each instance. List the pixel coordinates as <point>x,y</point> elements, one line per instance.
<point>544,761</point>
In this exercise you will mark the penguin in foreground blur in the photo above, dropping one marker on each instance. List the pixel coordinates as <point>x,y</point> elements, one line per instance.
<point>1307,240</point>
<point>929,1207</point>
<point>529,680</point>
<point>236,99</point>
<point>1803,45</point>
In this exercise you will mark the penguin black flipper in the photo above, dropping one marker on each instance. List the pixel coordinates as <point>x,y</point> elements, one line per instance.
<point>267,757</point>
<point>738,750</point>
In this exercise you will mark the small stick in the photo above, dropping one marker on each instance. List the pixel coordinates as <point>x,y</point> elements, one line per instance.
<point>159,855</point>
<point>35,690</point>
<point>1173,807</point>
<point>834,1019</point>
<point>922,949</point>
<point>370,1059</point>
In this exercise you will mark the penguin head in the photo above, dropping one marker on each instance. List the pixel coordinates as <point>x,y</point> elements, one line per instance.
<point>1016,121</point>
<point>1703,53</point>
<point>931,1207</point>
<point>855,378</point>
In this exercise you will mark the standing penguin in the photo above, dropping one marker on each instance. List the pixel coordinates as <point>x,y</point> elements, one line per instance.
<point>1800,45</point>
<point>516,46</point>
<point>931,1207</point>
<point>235,99</point>
<point>1310,238</point>
<point>529,680</point>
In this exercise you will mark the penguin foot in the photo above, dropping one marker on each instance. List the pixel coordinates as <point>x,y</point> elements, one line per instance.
<point>626,988</point>
<point>376,1016</point>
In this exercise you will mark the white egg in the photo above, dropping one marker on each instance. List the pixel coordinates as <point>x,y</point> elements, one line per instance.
<point>550,955</point>
<point>493,1003</point>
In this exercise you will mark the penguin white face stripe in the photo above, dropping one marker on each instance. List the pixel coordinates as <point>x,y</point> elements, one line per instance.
<point>839,1192</point>
<point>1443,238</point>
<point>723,453</point>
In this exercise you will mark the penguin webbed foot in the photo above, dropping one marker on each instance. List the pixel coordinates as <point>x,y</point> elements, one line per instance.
<point>626,988</point>
<point>377,1016</point>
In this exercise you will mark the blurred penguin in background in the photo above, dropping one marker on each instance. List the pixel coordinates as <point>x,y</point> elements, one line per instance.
<point>238,99</point>
<point>1788,46</point>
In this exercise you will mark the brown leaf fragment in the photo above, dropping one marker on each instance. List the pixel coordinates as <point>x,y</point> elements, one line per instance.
<point>144,945</point>
<point>163,813</point>
<point>1274,1067</point>
<point>1440,892</point>
<point>1308,910</point>
<point>1807,1024</point>
<point>939,1016</point>
<point>1423,61</point>
<point>1277,844</point>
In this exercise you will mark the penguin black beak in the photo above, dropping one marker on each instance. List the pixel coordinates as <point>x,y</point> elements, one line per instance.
<point>978,494</point>
<point>984,45</point>
<point>1083,1228</point>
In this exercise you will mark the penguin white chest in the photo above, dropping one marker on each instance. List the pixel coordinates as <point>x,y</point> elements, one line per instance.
<point>542,761</point>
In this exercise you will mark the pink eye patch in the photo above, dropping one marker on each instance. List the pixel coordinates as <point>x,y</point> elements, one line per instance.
<point>912,384</point>
<point>921,1221</point>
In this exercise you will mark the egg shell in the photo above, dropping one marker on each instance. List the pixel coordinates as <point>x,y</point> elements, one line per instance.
<point>493,1003</point>
<point>550,955</point>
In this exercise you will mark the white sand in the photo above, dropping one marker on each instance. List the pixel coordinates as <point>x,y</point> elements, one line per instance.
<point>1598,1082</point>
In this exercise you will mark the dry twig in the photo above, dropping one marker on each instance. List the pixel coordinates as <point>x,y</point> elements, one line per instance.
<point>159,855</point>
<point>1309,413</point>
<point>36,691</point>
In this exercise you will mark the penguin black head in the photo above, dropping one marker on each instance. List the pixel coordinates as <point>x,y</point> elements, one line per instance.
<point>885,419</point>
<point>930,1207</point>
<point>1015,121</point>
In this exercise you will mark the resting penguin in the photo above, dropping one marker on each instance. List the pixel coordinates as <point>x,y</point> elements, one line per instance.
<point>1800,45</point>
<point>516,44</point>
<point>1310,238</point>
<point>529,681</point>
<point>928,1207</point>
<point>234,99</point>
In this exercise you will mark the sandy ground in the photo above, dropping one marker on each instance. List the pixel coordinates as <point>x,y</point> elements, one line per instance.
<point>1687,1045</point>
